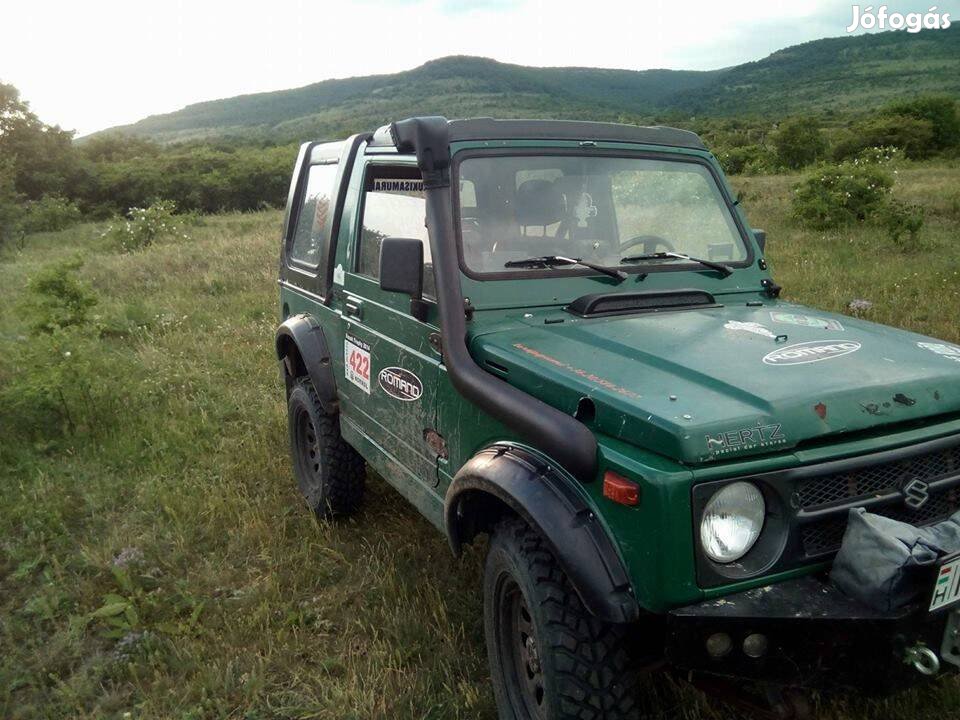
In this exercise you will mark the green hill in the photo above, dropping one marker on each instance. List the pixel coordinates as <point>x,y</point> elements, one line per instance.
<point>453,86</point>
<point>834,74</point>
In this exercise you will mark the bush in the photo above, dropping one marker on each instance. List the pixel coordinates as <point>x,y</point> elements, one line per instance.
<point>57,298</point>
<point>939,112</point>
<point>834,195</point>
<point>11,211</point>
<point>49,214</point>
<point>798,142</point>
<point>911,135</point>
<point>747,160</point>
<point>144,226</point>
<point>114,146</point>
<point>902,222</point>
<point>879,155</point>
<point>196,177</point>
<point>61,382</point>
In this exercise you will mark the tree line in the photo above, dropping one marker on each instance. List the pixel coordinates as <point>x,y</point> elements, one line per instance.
<point>919,128</point>
<point>48,180</point>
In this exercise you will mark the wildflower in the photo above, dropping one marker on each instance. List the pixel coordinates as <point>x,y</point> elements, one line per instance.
<point>128,644</point>
<point>127,556</point>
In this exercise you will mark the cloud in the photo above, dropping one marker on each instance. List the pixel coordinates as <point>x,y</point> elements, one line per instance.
<point>459,7</point>
<point>746,41</point>
<point>94,64</point>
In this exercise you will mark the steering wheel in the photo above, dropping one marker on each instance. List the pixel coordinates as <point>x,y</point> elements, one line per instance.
<point>650,244</point>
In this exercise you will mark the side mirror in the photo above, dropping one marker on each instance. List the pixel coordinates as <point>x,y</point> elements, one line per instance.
<point>761,237</point>
<point>401,270</point>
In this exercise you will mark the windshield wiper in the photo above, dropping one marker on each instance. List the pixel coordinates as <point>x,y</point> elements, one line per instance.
<point>723,269</point>
<point>549,261</point>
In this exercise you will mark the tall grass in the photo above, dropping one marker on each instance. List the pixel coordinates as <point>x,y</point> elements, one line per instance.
<point>154,557</point>
<point>917,288</point>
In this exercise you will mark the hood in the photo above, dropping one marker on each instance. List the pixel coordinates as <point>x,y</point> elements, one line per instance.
<point>730,381</point>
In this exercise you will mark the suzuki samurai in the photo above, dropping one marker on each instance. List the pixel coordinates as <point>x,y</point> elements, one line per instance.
<point>564,336</point>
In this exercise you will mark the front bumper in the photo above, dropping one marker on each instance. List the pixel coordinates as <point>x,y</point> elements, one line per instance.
<point>815,637</point>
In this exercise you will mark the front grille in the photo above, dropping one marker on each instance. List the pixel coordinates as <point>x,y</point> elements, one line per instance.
<point>867,482</point>
<point>824,536</point>
<point>838,492</point>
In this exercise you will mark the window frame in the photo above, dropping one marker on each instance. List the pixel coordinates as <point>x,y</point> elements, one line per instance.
<point>573,271</point>
<point>313,270</point>
<point>369,170</point>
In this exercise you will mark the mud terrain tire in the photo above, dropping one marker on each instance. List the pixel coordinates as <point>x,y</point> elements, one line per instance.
<point>330,474</point>
<point>549,658</point>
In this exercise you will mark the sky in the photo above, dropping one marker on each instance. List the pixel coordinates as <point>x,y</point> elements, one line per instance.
<point>91,64</point>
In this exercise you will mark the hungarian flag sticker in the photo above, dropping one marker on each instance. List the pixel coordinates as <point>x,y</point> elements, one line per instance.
<point>947,588</point>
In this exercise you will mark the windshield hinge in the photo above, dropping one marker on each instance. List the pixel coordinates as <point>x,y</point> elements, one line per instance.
<point>771,288</point>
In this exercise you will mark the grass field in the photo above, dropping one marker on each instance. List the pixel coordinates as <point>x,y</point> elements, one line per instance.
<point>154,559</point>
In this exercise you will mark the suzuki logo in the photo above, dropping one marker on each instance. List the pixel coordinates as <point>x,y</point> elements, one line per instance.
<point>916,493</point>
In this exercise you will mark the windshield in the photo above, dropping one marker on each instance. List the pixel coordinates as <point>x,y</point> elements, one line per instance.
<point>597,209</point>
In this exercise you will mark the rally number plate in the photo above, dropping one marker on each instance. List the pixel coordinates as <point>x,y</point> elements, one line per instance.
<point>356,362</point>
<point>946,589</point>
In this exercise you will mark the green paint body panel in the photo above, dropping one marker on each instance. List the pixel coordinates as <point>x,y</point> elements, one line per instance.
<point>681,397</point>
<point>685,383</point>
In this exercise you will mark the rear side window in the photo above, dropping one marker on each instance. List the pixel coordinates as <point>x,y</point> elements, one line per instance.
<point>393,206</point>
<point>312,226</point>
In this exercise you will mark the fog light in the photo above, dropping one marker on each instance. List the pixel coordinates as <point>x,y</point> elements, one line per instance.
<point>718,645</point>
<point>755,645</point>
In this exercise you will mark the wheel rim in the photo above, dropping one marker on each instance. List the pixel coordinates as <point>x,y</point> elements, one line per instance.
<point>520,653</point>
<point>308,456</point>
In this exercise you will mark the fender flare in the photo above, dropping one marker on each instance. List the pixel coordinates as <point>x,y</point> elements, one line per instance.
<point>545,497</point>
<point>304,334</point>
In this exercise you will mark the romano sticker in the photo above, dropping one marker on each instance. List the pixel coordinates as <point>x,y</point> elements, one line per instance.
<point>810,352</point>
<point>950,352</point>
<point>400,384</point>
<point>807,321</point>
<point>746,439</point>
<point>356,362</point>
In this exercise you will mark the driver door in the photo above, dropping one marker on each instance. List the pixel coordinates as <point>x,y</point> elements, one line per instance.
<point>390,367</point>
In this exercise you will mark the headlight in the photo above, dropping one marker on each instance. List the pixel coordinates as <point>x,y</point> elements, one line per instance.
<point>732,521</point>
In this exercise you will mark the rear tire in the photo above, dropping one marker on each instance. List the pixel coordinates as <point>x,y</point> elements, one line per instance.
<point>330,474</point>
<point>550,659</point>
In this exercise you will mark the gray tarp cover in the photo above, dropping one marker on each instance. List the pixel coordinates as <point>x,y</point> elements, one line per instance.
<point>881,561</point>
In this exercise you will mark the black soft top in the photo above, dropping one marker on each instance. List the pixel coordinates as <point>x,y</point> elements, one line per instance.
<point>490,129</point>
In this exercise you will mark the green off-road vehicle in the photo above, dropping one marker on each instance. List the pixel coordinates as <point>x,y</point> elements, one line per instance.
<point>564,335</point>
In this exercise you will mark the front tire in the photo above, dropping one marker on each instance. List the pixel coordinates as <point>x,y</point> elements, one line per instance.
<point>330,474</point>
<point>550,659</point>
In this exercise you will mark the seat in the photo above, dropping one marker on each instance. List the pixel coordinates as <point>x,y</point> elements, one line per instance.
<point>539,204</point>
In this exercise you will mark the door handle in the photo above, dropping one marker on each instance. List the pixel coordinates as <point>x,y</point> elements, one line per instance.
<point>354,308</point>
